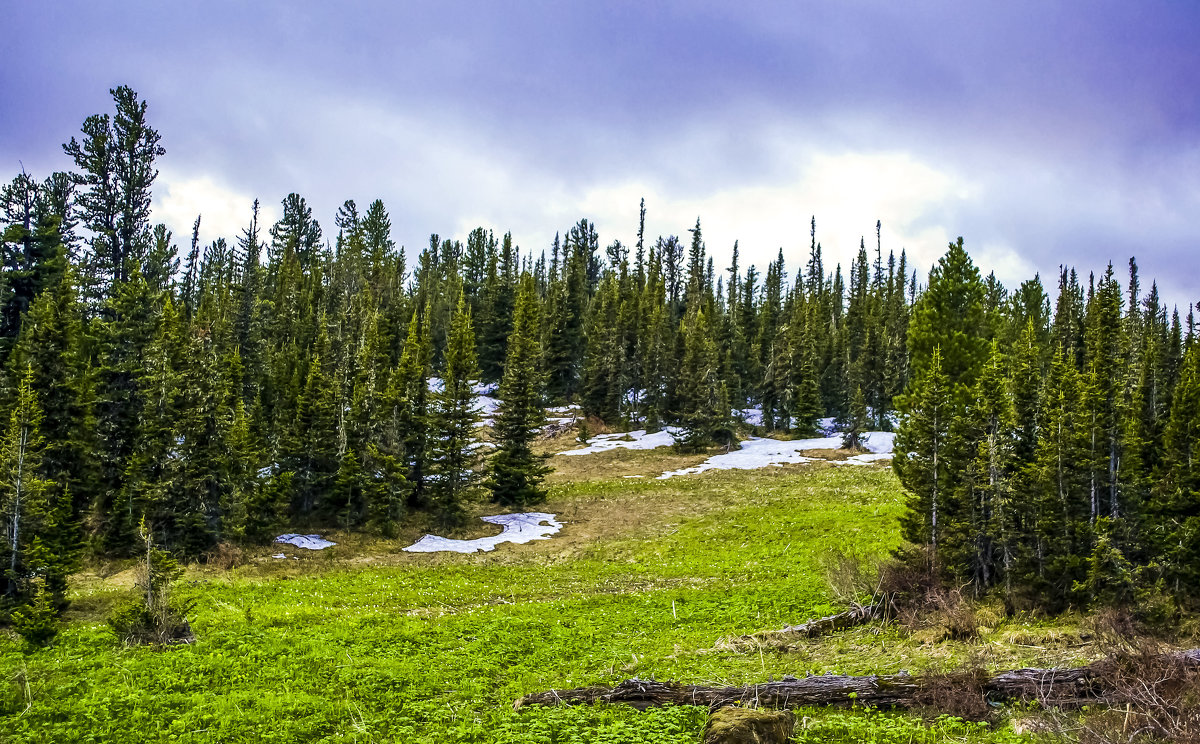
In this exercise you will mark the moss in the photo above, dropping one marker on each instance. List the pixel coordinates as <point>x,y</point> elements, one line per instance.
<point>745,726</point>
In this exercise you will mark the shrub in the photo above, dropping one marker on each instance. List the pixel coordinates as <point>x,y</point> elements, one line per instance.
<point>155,617</point>
<point>37,621</point>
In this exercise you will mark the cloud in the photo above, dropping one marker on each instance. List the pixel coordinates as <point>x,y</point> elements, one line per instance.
<point>224,212</point>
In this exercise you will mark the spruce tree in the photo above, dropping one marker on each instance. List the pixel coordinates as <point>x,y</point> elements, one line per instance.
<point>1060,505</point>
<point>455,458</point>
<point>24,507</point>
<point>704,414</point>
<point>922,458</point>
<point>516,473</point>
<point>1177,504</point>
<point>950,317</point>
<point>856,422</point>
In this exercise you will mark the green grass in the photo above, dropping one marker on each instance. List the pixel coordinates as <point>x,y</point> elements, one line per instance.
<point>369,644</point>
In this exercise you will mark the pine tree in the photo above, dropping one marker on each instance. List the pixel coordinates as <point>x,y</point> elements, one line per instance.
<point>405,431</point>
<point>310,448</point>
<point>1060,503</point>
<point>804,381</point>
<point>455,451</point>
<point>856,423</point>
<point>1177,503</point>
<point>123,340</point>
<point>922,458</point>
<point>950,317</point>
<point>704,413</point>
<point>24,508</point>
<point>51,348</point>
<point>116,160</point>
<point>516,472</point>
<point>989,433</point>
<point>604,372</point>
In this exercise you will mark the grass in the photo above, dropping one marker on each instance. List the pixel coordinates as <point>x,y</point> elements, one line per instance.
<point>364,643</point>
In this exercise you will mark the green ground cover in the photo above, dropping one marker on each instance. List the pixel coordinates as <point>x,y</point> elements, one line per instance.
<point>365,644</point>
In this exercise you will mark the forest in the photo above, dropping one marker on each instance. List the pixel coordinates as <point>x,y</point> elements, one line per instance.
<point>298,376</point>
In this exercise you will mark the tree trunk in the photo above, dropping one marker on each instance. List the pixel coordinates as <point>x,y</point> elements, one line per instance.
<point>857,615</point>
<point>1092,684</point>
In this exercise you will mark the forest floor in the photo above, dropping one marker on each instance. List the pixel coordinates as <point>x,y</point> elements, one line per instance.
<point>365,643</point>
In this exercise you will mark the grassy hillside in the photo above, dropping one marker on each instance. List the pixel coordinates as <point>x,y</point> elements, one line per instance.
<point>364,643</point>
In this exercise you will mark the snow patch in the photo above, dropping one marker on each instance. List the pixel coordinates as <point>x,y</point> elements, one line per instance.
<point>879,442</point>
<point>308,542</point>
<point>634,440</point>
<point>518,528</point>
<point>484,388</point>
<point>752,416</point>
<point>487,406</point>
<point>865,459</point>
<point>757,452</point>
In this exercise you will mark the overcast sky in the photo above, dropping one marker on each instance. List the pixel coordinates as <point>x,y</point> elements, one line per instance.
<point>1043,133</point>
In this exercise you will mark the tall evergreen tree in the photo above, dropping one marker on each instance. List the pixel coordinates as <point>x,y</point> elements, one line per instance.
<point>24,507</point>
<point>516,472</point>
<point>452,424</point>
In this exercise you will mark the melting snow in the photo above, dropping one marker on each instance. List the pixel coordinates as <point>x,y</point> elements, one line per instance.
<point>755,453</point>
<point>518,528</point>
<point>309,542</point>
<point>879,442</point>
<point>758,453</point>
<point>752,416</point>
<point>634,440</point>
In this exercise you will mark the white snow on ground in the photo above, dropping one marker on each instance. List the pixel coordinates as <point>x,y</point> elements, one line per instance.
<point>518,528</point>
<point>752,416</point>
<point>635,440</point>
<point>755,453</point>
<point>487,406</point>
<point>879,442</point>
<point>308,542</point>
<point>866,459</point>
<point>878,445</point>
<point>758,453</point>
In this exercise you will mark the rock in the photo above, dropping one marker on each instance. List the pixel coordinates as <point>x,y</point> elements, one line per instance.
<point>732,725</point>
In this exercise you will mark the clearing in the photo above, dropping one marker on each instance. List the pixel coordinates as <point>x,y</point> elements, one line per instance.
<point>362,642</point>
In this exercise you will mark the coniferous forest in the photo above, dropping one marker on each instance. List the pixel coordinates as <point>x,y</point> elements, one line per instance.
<point>160,391</point>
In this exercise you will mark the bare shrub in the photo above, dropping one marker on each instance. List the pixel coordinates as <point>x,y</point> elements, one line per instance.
<point>1114,626</point>
<point>957,693</point>
<point>225,556</point>
<point>1152,696</point>
<point>915,594</point>
<point>850,577</point>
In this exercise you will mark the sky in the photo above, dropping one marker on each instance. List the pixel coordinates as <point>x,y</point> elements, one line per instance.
<point>1042,133</point>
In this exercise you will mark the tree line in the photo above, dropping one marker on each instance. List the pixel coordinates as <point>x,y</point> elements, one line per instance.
<point>1052,456</point>
<point>294,376</point>
<point>290,376</point>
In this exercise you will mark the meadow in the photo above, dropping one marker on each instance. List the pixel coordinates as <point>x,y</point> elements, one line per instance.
<point>364,643</point>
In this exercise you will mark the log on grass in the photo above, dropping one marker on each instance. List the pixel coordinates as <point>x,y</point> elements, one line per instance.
<point>1058,687</point>
<point>857,615</point>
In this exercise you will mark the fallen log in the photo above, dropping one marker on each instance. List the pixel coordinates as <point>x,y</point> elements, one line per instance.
<point>857,615</point>
<point>1091,684</point>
